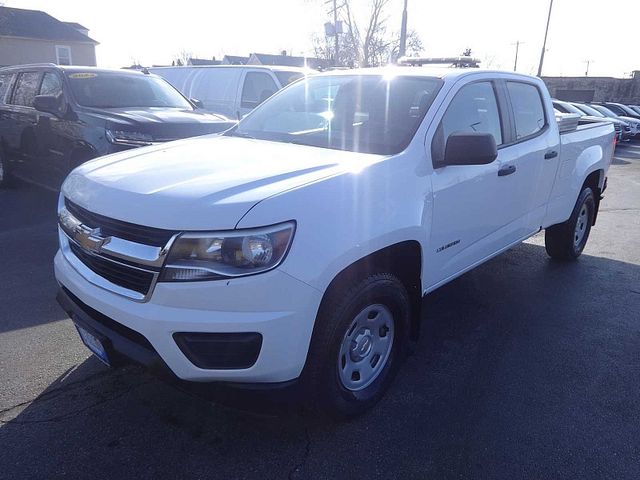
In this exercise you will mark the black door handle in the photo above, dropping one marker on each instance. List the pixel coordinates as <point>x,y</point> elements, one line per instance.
<point>507,170</point>
<point>550,154</point>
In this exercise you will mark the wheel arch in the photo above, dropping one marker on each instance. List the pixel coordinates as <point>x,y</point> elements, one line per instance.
<point>595,180</point>
<point>403,260</point>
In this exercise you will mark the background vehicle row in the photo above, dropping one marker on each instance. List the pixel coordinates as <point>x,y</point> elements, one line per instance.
<point>54,118</point>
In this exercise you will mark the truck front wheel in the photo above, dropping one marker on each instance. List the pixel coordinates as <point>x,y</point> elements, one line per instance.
<point>360,340</point>
<point>567,240</point>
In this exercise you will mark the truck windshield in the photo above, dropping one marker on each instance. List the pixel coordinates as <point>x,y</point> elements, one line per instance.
<point>605,111</point>
<point>117,90</point>
<point>358,113</point>
<point>589,111</point>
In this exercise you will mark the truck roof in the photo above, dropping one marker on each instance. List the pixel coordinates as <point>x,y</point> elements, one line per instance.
<point>434,72</point>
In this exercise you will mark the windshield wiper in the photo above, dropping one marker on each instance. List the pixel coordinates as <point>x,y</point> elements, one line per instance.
<point>235,133</point>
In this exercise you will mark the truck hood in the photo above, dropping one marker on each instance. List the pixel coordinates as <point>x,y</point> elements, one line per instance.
<point>206,183</point>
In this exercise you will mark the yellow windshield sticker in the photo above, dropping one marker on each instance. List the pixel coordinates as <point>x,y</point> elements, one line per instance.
<point>83,75</point>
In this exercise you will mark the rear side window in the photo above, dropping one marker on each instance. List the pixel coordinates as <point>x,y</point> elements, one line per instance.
<point>5,84</point>
<point>26,89</point>
<point>258,86</point>
<point>528,109</point>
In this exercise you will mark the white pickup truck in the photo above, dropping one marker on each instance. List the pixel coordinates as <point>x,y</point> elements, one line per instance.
<point>296,247</point>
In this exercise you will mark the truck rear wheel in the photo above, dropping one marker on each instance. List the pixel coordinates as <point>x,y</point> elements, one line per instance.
<point>359,342</point>
<point>567,240</point>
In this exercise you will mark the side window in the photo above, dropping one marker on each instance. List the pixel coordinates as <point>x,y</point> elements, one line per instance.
<point>5,84</point>
<point>527,108</point>
<point>26,88</point>
<point>258,86</point>
<point>51,85</point>
<point>473,109</point>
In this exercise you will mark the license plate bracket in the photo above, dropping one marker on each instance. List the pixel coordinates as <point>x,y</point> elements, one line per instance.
<point>94,344</point>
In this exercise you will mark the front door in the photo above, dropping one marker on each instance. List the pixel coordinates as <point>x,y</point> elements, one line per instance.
<point>472,217</point>
<point>52,133</point>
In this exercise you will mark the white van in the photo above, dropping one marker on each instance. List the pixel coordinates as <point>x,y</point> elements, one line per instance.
<point>229,90</point>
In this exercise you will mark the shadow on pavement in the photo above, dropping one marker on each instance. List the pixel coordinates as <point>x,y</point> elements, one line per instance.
<point>526,368</point>
<point>28,243</point>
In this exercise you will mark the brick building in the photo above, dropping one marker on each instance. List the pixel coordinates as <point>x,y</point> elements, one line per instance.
<point>596,89</point>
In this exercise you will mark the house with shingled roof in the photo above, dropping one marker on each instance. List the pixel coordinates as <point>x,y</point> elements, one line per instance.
<point>33,36</point>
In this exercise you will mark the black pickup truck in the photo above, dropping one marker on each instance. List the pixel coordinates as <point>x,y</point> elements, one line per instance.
<point>54,118</point>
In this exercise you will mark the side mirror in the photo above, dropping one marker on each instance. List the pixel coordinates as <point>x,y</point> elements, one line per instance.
<point>196,103</point>
<point>47,103</point>
<point>464,148</point>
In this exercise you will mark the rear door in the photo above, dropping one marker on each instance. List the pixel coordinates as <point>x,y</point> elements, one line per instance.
<point>7,125</point>
<point>22,145</point>
<point>537,140</point>
<point>470,221</point>
<point>257,86</point>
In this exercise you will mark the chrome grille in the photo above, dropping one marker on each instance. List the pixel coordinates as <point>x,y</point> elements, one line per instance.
<point>156,237</point>
<point>125,276</point>
<point>119,256</point>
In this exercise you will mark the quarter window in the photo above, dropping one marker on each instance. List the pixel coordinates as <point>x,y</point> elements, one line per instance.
<point>26,89</point>
<point>527,108</point>
<point>473,109</point>
<point>258,86</point>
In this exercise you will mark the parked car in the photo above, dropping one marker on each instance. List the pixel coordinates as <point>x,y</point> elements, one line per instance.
<point>636,108</point>
<point>230,90</point>
<point>621,110</point>
<point>633,122</point>
<point>297,246</point>
<point>54,118</point>
<point>621,127</point>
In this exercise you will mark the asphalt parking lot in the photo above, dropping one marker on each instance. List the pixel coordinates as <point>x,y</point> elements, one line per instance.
<point>526,369</point>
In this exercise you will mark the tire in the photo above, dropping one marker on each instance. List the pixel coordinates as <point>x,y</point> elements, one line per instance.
<point>567,240</point>
<point>359,341</point>
<point>5,177</point>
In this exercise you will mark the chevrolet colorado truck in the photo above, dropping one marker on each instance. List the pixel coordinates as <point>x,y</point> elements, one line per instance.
<point>297,246</point>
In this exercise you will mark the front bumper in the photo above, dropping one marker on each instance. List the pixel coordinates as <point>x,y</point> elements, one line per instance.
<point>275,305</point>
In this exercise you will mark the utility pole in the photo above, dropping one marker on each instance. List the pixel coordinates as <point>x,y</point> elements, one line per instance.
<point>544,44</point>
<point>402,51</point>
<point>588,62</point>
<point>335,37</point>
<point>515,63</point>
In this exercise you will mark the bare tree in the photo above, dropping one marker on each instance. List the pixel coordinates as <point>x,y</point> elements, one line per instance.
<point>414,46</point>
<point>368,47</point>
<point>183,57</point>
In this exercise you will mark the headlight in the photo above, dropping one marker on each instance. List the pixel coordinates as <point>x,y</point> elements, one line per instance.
<point>134,139</point>
<point>234,253</point>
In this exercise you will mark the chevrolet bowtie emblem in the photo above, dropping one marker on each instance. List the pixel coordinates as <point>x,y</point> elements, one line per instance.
<point>90,238</point>
<point>86,237</point>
